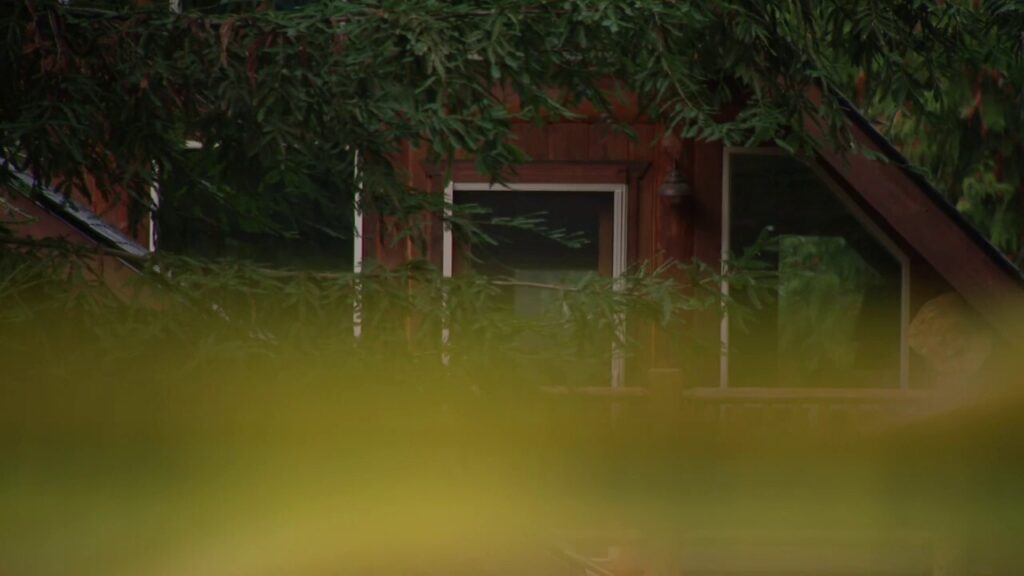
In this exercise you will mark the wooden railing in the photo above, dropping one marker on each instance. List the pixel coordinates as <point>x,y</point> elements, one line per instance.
<point>809,405</point>
<point>752,405</point>
<point>746,553</point>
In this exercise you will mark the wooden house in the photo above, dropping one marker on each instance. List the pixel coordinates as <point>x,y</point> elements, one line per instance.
<point>868,246</point>
<point>870,252</point>
<point>873,254</point>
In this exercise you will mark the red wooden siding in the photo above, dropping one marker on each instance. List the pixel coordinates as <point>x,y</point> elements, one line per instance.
<point>591,151</point>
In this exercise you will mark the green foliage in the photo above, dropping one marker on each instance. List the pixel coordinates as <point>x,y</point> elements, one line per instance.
<point>823,290</point>
<point>112,91</point>
<point>207,312</point>
<point>284,100</point>
<point>958,113</point>
<point>992,205</point>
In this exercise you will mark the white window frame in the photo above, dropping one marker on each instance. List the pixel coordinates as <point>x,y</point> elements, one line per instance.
<point>855,210</point>
<point>620,199</point>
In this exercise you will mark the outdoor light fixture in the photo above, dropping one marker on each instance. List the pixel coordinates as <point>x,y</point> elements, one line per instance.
<point>675,188</point>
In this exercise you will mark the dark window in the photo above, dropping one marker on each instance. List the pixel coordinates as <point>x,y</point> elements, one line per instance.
<point>301,224</point>
<point>584,218</point>
<point>836,317</point>
<point>557,355</point>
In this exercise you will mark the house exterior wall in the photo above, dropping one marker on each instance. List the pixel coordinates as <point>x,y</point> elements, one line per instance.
<point>589,151</point>
<point>574,153</point>
<point>32,221</point>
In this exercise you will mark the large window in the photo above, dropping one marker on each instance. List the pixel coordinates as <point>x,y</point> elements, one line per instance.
<point>306,223</point>
<point>594,217</point>
<point>837,315</point>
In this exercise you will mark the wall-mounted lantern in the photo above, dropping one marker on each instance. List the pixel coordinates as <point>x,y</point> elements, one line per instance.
<point>675,188</point>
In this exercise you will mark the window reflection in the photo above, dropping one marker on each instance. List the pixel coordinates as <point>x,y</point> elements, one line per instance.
<point>533,261</point>
<point>835,320</point>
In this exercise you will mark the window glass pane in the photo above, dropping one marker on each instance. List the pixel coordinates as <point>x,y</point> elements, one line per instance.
<point>530,256</point>
<point>835,320</point>
<point>300,224</point>
<point>556,354</point>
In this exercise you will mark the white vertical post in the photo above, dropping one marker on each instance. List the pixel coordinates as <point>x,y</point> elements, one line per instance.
<point>447,267</point>
<point>357,249</point>
<point>723,363</point>
<point>154,197</point>
<point>619,262</point>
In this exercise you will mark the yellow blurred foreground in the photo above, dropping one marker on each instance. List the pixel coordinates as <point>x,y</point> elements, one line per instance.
<point>171,462</point>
